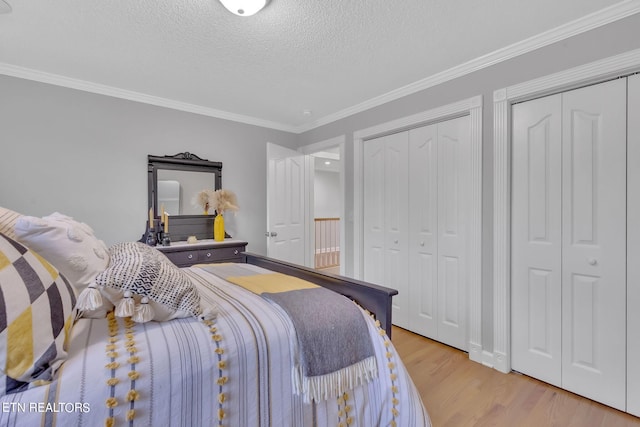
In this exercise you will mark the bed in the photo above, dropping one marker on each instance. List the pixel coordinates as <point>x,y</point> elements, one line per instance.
<point>238,364</point>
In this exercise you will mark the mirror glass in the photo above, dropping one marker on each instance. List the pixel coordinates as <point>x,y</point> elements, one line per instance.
<point>175,181</point>
<point>178,190</point>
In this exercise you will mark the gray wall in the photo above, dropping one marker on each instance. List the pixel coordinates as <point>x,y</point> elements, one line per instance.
<point>596,44</point>
<point>85,155</point>
<point>326,187</point>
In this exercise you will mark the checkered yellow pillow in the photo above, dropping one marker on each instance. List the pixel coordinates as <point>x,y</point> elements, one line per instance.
<point>36,315</point>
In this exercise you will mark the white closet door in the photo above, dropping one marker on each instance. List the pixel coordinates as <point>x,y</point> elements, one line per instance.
<point>536,281</point>
<point>633,246</point>
<point>453,184</point>
<point>423,234</point>
<point>386,218</point>
<point>396,199</point>
<point>373,201</point>
<point>594,242</point>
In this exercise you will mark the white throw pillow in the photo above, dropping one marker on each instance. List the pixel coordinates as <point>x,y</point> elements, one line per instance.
<point>69,245</point>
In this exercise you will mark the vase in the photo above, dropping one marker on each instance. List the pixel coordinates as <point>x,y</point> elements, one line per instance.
<point>218,228</point>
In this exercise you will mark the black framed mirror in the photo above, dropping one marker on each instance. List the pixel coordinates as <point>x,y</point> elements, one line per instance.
<point>173,183</point>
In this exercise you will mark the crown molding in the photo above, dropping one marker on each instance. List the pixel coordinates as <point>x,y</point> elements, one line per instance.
<point>588,22</point>
<point>597,19</point>
<point>87,86</point>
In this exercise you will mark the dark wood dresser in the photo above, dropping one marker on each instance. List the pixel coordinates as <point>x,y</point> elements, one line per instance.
<point>185,254</point>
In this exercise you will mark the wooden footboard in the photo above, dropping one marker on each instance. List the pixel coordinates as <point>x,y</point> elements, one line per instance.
<point>375,298</point>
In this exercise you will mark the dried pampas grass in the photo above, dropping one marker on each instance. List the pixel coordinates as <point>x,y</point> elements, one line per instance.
<point>202,200</point>
<point>220,200</point>
<point>224,200</point>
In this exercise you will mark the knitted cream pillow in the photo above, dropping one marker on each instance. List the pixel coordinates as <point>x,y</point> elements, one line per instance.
<point>144,284</point>
<point>69,245</point>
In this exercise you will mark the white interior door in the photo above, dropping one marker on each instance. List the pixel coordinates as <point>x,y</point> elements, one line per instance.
<point>633,245</point>
<point>594,242</point>
<point>569,240</point>
<point>385,218</point>
<point>438,185</point>
<point>423,230</point>
<point>285,204</point>
<point>396,198</point>
<point>453,187</point>
<point>373,200</point>
<point>536,282</point>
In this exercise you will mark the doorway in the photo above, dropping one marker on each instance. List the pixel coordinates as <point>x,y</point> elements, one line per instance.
<point>305,204</point>
<point>325,205</point>
<point>326,209</point>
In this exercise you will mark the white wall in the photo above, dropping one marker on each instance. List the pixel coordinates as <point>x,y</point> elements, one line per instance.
<point>326,193</point>
<point>85,155</point>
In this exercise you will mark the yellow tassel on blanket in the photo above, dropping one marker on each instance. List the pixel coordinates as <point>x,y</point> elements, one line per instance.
<point>132,395</point>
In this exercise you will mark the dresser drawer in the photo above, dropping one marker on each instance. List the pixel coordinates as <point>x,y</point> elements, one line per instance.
<point>185,255</point>
<point>183,258</point>
<point>221,254</point>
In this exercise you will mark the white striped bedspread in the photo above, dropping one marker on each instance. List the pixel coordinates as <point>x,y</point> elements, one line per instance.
<point>233,372</point>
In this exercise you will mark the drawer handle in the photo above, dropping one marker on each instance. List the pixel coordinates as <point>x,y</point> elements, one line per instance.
<point>235,252</point>
<point>208,254</point>
<point>190,256</point>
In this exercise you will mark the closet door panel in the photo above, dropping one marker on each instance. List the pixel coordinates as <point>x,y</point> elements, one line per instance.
<point>396,199</point>
<point>537,239</point>
<point>374,228</point>
<point>453,176</point>
<point>633,246</point>
<point>423,215</point>
<point>594,242</point>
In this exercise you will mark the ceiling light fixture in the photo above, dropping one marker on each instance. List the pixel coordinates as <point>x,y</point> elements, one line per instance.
<point>243,7</point>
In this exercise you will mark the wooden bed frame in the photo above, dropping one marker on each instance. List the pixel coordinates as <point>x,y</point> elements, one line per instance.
<point>375,298</point>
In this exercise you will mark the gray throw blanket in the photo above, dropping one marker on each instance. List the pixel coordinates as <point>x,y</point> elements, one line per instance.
<point>335,349</point>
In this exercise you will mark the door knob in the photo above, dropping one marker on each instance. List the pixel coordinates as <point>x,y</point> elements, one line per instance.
<point>592,261</point>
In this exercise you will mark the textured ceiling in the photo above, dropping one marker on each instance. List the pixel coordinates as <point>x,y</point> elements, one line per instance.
<point>325,56</point>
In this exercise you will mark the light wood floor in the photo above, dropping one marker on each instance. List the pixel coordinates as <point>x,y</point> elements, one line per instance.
<point>458,392</point>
